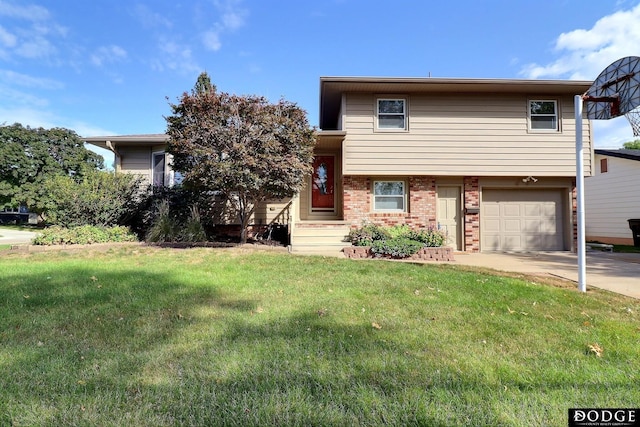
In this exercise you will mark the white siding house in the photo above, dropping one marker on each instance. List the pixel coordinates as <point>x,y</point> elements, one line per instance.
<point>612,196</point>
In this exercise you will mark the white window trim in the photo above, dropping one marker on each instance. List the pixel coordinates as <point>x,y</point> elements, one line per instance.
<point>556,115</point>
<point>404,99</point>
<point>404,195</point>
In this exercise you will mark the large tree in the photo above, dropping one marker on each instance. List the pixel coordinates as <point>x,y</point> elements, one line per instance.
<point>244,147</point>
<point>632,145</point>
<point>29,157</point>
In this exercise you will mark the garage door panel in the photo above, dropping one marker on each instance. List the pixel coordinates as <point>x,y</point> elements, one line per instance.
<point>512,225</point>
<point>522,220</point>
<point>531,209</point>
<point>511,210</point>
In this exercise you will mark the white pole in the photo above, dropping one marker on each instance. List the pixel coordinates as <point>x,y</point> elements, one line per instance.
<point>582,269</point>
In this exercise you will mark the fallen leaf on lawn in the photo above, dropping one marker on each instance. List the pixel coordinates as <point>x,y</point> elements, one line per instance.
<point>376,326</point>
<point>94,278</point>
<point>322,312</point>
<point>587,323</point>
<point>596,349</point>
<point>524,313</point>
<point>416,292</point>
<point>26,296</point>
<point>510,311</point>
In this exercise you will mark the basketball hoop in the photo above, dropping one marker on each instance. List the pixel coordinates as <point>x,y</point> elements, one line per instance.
<point>615,92</point>
<point>634,119</point>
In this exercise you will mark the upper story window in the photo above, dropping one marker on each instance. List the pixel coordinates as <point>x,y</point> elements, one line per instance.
<point>392,114</point>
<point>389,196</point>
<point>543,115</point>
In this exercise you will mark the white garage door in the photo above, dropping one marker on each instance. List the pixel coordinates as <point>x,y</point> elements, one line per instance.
<point>527,220</point>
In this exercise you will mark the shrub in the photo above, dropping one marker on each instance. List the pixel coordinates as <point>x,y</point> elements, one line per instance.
<point>98,198</point>
<point>399,241</point>
<point>367,234</point>
<point>83,235</point>
<point>399,247</point>
<point>165,227</point>
<point>193,231</point>
<point>398,230</point>
<point>430,237</point>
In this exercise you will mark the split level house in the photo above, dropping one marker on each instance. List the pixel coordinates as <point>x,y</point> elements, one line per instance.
<point>490,161</point>
<point>612,197</point>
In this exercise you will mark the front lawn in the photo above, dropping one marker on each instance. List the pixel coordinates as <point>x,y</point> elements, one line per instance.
<point>164,337</point>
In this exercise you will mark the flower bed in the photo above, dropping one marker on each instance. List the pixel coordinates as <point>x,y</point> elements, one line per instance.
<point>424,254</point>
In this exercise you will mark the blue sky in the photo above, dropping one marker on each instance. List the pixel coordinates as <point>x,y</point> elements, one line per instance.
<point>107,67</point>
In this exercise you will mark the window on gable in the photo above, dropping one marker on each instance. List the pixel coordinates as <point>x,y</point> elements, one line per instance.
<point>604,165</point>
<point>543,115</point>
<point>392,113</point>
<point>389,196</point>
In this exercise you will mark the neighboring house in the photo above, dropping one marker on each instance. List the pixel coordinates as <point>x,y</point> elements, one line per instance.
<point>612,196</point>
<point>490,161</point>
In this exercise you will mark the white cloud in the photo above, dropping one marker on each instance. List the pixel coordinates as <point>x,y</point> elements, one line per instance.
<point>582,54</point>
<point>29,32</point>
<point>232,18</point>
<point>6,38</point>
<point>176,57</point>
<point>29,12</point>
<point>108,54</point>
<point>13,78</point>
<point>151,19</point>
<point>211,40</point>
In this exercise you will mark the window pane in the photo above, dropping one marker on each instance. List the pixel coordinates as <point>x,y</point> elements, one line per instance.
<point>391,106</point>
<point>395,122</point>
<point>158,170</point>
<point>395,203</point>
<point>544,122</point>
<point>388,188</point>
<point>543,107</point>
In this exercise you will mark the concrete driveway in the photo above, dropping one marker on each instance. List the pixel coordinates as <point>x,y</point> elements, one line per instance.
<point>614,272</point>
<point>15,237</point>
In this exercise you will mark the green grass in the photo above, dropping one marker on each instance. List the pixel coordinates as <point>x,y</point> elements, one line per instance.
<point>165,337</point>
<point>627,249</point>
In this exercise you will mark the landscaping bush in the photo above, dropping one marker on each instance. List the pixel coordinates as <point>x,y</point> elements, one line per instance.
<point>98,198</point>
<point>168,228</point>
<point>398,241</point>
<point>430,237</point>
<point>83,235</point>
<point>367,234</point>
<point>181,200</point>
<point>399,247</point>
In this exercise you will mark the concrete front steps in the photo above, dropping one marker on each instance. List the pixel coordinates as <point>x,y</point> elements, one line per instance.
<point>319,237</point>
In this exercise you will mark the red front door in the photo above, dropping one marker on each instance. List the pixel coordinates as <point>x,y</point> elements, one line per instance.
<point>322,184</point>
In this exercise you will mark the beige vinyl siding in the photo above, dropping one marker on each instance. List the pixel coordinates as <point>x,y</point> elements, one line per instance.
<point>475,134</point>
<point>136,161</point>
<point>611,199</point>
<point>273,211</point>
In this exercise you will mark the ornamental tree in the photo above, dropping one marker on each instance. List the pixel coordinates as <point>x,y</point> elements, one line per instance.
<point>243,147</point>
<point>30,157</point>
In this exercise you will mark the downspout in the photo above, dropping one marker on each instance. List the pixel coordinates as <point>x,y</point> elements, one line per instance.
<point>117,161</point>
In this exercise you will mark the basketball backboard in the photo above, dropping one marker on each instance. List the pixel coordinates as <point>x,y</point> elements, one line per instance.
<point>616,91</point>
